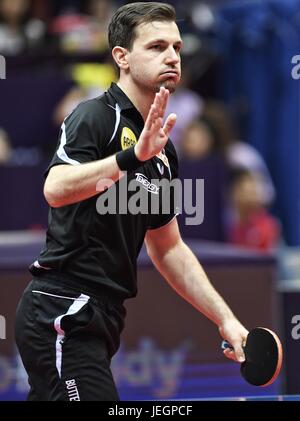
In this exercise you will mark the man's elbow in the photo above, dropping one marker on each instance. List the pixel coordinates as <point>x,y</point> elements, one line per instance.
<point>52,194</point>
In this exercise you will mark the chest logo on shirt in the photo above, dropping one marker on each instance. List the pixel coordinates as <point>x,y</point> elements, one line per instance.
<point>150,187</point>
<point>163,157</point>
<point>161,168</point>
<point>128,138</point>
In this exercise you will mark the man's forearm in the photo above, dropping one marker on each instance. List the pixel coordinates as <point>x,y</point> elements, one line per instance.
<point>184,273</point>
<point>68,184</point>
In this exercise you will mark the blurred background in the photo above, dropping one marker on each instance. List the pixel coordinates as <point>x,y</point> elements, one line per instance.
<point>238,129</point>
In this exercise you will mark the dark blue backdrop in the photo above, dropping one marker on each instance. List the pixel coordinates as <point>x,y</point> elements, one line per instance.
<point>258,40</point>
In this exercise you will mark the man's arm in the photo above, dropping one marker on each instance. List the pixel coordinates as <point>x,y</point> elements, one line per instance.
<point>68,184</point>
<point>179,266</point>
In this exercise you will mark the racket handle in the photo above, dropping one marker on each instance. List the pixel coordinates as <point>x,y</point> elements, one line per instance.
<point>226,345</point>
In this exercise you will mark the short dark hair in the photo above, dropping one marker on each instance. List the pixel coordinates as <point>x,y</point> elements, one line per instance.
<point>121,31</point>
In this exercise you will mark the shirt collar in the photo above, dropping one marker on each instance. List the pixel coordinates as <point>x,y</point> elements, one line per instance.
<point>121,98</point>
<point>126,105</point>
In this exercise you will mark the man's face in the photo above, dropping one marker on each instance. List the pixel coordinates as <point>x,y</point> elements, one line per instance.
<point>154,60</point>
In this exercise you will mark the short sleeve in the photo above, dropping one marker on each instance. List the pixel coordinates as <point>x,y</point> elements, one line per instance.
<point>158,221</point>
<point>83,136</point>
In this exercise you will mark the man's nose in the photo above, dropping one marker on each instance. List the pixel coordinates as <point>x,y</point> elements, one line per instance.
<point>172,57</point>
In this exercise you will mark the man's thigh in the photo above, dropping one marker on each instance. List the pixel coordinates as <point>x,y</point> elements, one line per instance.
<point>86,373</point>
<point>63,345</point>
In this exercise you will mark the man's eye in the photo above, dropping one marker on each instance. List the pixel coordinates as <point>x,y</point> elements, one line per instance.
<point>156,47</point>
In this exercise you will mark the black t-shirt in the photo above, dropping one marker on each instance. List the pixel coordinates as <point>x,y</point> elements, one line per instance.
<point>99,251</point>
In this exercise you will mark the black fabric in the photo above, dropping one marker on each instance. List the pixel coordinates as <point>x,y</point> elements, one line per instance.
<point>91,336</point>
<point>100,251</point>
<point>127,160</point>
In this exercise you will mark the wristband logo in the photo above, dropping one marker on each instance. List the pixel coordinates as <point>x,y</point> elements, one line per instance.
<point>128,139</point>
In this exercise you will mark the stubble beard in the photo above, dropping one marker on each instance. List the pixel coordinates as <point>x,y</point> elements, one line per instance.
<point>155,87</point>
<point>168,85</point>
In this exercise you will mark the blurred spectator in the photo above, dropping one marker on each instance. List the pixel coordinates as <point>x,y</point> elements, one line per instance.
<point>91,80</point>
<point>5,147</point>
<point>59,7</point>
<point>186,104</point>
<point>199,140</point>
<point>200,161</point>
<point>238,154</point>
<point>252,226</point>
<point>19,156</point>
<point>84,32</point>
<point>18,31</point>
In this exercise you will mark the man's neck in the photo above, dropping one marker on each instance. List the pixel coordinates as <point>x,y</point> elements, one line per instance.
<point>142,100</point>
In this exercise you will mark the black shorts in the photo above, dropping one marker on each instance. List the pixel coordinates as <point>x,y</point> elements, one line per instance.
<point>66,340</point>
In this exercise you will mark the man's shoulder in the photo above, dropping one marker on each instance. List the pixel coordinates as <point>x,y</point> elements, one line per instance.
<point>97,113</point>
<point>95,107</point>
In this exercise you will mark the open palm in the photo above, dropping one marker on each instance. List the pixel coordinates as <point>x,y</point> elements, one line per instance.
<point>154,137</point>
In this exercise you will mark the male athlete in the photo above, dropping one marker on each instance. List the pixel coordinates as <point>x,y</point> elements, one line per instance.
<point>71,315</point>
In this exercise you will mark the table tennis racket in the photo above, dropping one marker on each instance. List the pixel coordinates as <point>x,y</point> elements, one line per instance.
<point>263,353</point>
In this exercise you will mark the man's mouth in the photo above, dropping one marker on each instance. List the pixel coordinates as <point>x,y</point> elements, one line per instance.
<point>171,71</point>
<point>170,74</point>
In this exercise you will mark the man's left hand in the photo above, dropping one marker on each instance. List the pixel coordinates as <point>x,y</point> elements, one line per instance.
<point>235,333</point>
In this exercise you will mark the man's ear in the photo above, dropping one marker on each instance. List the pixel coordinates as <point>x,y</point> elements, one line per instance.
<point>120,56</point>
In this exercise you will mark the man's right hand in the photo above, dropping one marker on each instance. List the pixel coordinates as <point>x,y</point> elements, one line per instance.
<point>154,137</point>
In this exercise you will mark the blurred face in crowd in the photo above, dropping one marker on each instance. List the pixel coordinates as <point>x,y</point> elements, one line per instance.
<point>247,194</point>
<point>100,9</point>
<point>13,10</point>
<point>154,59</point>
<point>5,148</point>
<point>197,141</point>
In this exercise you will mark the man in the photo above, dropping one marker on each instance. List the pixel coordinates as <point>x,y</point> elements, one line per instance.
<point>70,317</point>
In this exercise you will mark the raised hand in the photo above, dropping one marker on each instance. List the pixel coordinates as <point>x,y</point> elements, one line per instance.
<point>154,137</point>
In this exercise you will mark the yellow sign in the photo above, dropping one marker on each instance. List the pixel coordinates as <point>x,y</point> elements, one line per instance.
<point>128,138</point>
